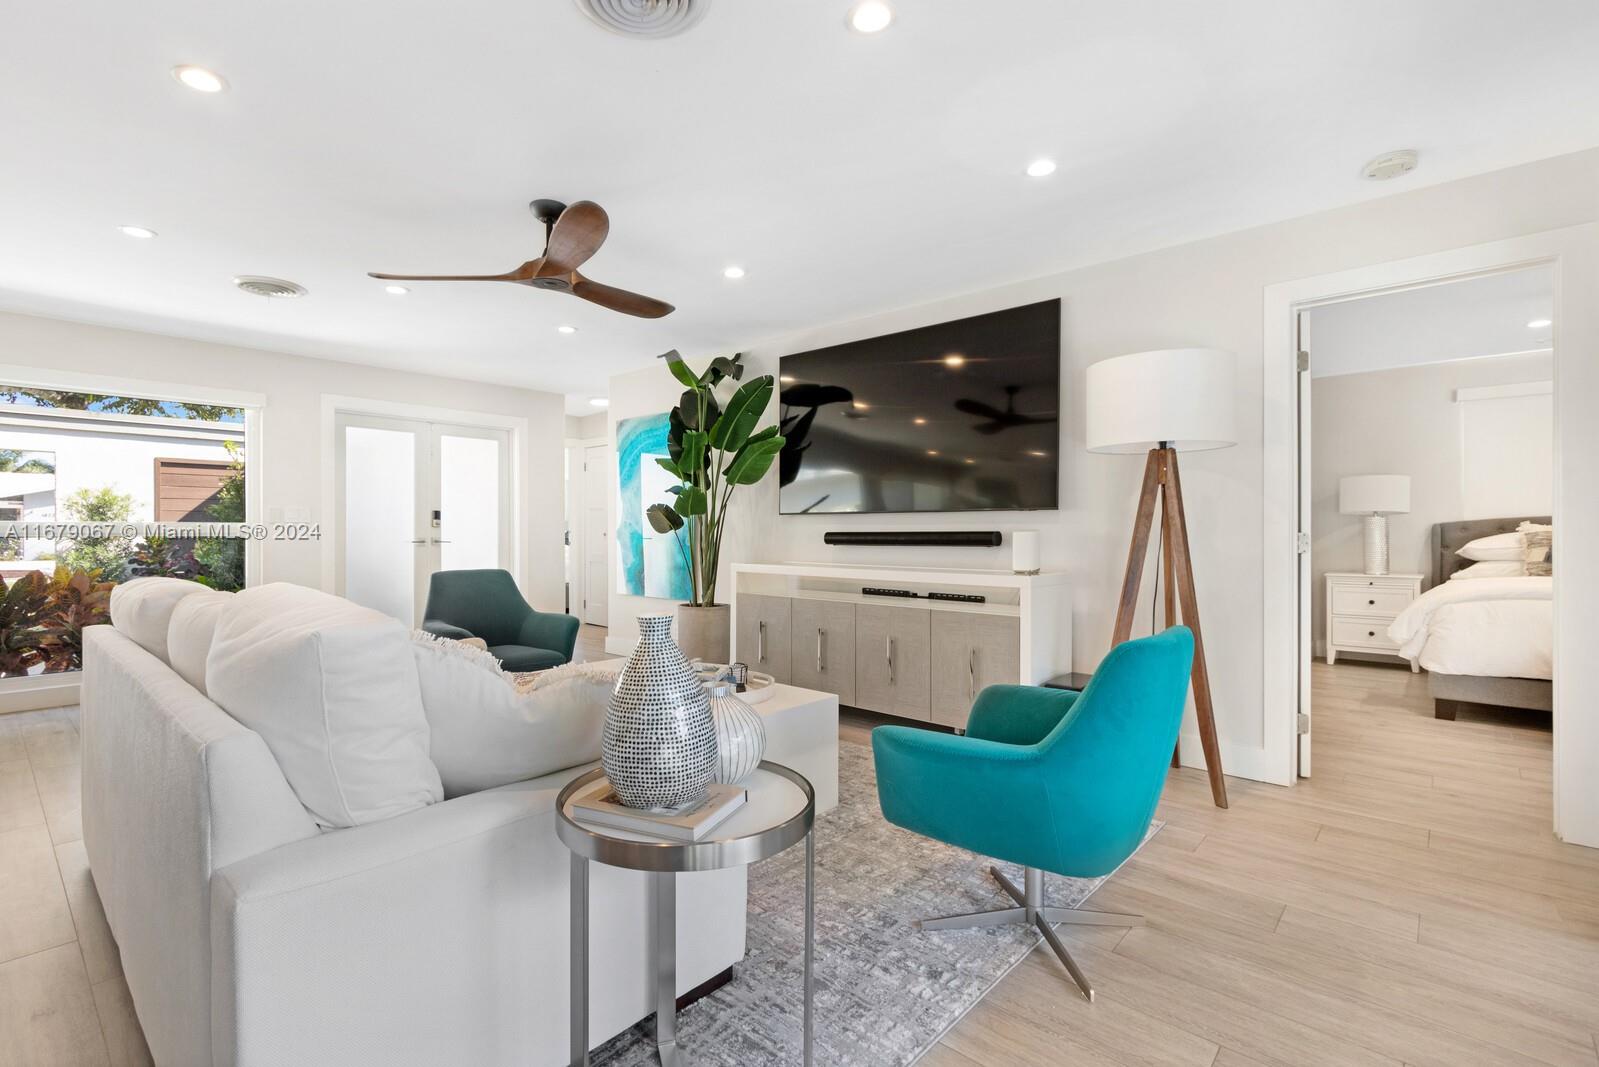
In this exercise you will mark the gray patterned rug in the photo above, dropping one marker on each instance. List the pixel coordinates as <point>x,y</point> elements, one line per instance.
<point>885,991</point>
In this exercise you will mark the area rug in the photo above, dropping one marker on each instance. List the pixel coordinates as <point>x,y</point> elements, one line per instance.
<point>885,990</point>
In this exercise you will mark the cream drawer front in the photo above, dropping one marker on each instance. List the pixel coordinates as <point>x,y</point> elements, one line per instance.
<point>1361,601</point>
<point>1362,633</point>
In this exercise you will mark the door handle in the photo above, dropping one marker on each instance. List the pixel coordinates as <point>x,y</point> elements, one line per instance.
<point>971,674</point>
<point>760,641</point>
<point>820,663</point>
<point>888,652</point>
<point>419,541</point>
<point>438,542</point>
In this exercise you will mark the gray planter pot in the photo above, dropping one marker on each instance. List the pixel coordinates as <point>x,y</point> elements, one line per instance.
<point>703,633</point>
<point>659,744</point>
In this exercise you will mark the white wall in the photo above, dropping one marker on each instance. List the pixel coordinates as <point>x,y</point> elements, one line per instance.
<point>1407,421</point>
<point>1209,293</point>
<point>292,434</point>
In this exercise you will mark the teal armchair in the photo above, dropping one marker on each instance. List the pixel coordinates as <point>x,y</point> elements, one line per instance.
<point>486,604</point>
<point>1052,780</point>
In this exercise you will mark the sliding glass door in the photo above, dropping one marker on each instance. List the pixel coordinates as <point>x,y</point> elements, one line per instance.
<point>417,497</point>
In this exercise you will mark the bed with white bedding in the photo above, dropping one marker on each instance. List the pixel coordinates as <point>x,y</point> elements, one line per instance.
<point>1483,632</point>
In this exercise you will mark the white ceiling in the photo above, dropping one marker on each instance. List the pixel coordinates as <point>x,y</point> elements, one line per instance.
<point>848,174</point>
<point>1484,316</point>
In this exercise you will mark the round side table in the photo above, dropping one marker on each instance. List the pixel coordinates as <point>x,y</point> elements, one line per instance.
<point>780,810</point>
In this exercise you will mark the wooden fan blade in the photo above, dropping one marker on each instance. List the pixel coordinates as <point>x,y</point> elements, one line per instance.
<point>608,296</point>
<point>511,277</point>
<point>577,235</point>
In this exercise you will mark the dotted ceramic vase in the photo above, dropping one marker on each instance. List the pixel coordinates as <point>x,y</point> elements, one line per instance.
<point>659,744</point>
<point>740,735</point>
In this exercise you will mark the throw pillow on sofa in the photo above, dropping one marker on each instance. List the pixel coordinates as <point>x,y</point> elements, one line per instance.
<point>142,609</point>
<point>332,689</point>
<point>191,631</point>
<point>491,728</point>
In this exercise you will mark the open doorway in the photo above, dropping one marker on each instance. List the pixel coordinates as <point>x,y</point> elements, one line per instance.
<point>1427,454</point>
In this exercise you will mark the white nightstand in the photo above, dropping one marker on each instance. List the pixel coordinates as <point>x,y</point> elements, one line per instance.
<point>1360,607</point>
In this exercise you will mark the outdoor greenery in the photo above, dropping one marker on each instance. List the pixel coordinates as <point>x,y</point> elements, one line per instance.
<point>107,555</point>
<point>712,448</point>
<point>122,405</point>
<point>221,559</point>
<point>42,619</point>
<point>16,461</point>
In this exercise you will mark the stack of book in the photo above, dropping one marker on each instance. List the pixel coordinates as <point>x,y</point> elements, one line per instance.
<point>600,806</point>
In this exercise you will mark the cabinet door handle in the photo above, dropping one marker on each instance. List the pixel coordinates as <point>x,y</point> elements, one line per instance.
<point>760,641</point>
<point>1371,633</point>
<point>1371,602</point>
<point>821,664</point>
<point>971,675</point>
<point>888,652</point>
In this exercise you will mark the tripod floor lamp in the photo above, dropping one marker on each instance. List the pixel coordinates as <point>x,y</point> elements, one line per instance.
<point>1168,401</point>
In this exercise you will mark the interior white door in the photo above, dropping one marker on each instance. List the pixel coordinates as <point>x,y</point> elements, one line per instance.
<point>414,498</point>
<point>1302,720</point>
<point>596,534</point>
<point>381,475</point>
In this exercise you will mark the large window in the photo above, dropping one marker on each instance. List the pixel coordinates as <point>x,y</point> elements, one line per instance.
<point>96,489</point>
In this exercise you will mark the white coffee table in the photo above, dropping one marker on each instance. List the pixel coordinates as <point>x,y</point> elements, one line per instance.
<point>780,812</point>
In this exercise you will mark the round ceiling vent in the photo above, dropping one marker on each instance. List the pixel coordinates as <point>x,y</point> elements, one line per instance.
<point>256,285</point>
<point>644,18</point>
<point>1390,165</point>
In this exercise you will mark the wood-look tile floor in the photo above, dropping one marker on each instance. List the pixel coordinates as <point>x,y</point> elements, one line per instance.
<point>1407,905</point>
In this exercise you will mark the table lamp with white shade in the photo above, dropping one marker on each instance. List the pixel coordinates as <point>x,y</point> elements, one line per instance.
<point>1375,496</point>
<point>1168,401</point>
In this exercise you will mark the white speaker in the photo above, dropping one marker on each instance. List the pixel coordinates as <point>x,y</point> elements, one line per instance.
<point>1024,551</point>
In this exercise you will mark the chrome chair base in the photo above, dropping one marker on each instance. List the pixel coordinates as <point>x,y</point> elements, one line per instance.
<point>1032,911</point>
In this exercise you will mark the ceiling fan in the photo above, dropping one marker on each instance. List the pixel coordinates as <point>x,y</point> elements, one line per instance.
<point>571,236</point>
<point>1000,420</point>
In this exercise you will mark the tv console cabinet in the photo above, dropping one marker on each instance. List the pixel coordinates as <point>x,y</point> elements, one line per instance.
<point>809,624</point>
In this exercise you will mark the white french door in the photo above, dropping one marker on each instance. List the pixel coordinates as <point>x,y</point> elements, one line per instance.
<point>415,497</point>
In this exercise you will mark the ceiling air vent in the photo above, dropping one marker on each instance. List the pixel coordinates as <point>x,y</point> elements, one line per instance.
<point>644,18</point>
<point>270,287</point>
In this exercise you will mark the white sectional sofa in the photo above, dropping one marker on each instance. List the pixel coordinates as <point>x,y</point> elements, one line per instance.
<point>251,936</point>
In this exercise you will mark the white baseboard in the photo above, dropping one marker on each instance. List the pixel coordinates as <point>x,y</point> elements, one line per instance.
<point>32,694</point>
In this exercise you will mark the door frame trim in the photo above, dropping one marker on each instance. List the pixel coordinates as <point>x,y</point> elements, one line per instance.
<point>1568,252</point>
<point>578,531</point>
<point>333,405</point>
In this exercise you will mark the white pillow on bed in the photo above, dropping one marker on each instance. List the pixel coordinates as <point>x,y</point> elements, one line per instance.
<point>1492,568</point>
<point>1497,547</point>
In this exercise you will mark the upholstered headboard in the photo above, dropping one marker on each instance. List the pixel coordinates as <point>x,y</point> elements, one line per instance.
<point>1450,537</point>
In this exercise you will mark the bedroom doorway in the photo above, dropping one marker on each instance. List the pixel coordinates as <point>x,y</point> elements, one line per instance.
<point>1426,474</point>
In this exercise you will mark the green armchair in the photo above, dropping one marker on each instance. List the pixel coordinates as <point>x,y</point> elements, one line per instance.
<point>486,604</point>
<point>1049,779</point>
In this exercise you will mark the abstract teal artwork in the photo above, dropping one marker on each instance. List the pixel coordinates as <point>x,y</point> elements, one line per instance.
<point>648,563</point>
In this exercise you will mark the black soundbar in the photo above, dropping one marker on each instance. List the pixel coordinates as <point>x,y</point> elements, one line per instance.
<point>909,538</point>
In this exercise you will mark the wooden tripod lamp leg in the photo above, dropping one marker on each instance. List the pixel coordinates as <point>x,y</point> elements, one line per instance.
<point>1176,528</point>
<point>1139,549</point>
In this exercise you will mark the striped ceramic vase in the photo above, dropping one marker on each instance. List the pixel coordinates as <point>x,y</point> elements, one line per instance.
<point>740,735</point>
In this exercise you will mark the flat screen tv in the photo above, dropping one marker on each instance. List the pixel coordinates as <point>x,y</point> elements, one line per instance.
<point>962,416</point>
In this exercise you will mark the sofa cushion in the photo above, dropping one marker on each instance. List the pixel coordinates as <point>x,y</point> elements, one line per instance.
<point>142,609</point>
<point>490,727</point>
<point>332,689</point>
<point>190,633</point>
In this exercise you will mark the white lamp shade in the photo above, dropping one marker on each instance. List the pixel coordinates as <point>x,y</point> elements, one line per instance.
<point>1370,494</point>
<point>1182,396</point>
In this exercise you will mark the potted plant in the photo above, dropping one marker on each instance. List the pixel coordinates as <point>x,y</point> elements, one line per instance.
<point>713,448</point>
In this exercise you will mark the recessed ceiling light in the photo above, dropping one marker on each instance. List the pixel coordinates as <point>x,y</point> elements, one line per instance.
<point>199,79</point>
<point>870,16</point>
<point>1538,324</point>
<point>919,421</point>
<point>395,290</point>
<point>1041,168</point>
<point>600,401</point>
<point>1390,165</point>
<point>566,329</point>
<point>955,359</point>
<point>140,232</point>
<point>734,272</point>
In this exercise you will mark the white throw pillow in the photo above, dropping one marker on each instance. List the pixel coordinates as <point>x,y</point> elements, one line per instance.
<point>189,635</point>
<point>1492,568</point>
<point>490,728</point>
<point>142,609</point>
<point>331,687</point>
<point>1499,546</point>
